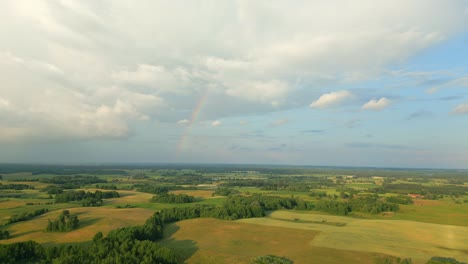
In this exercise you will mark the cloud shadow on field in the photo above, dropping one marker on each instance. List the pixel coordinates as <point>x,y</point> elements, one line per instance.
<point>184,249</point>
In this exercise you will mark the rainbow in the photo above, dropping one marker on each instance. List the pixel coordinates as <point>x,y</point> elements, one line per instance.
<point>195,113</point>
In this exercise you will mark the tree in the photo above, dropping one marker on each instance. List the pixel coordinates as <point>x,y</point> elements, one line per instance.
<point>65,222</point>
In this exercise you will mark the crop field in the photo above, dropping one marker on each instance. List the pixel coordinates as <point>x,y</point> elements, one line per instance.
<point>399,238</point>
<point>214,241</point>
<point>92,220</point>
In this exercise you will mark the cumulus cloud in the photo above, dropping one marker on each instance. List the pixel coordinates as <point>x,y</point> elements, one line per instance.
<point>377,105</point>
<point>331,99</point>
<point>461,109</point>
<point>216,123</point>
<point>92,69</point>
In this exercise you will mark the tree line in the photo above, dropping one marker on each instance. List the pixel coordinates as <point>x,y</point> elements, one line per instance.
<point>86,198</point>
<point>26,216</point>
<point>235,207</point>
<point>365,204</point>
<point>172,198</point>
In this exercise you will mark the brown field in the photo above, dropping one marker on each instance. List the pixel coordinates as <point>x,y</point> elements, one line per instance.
<point>219,241</point>
<point>195,193</point>
<point>92,220</point>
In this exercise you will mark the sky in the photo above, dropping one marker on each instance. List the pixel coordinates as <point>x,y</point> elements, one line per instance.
<point>327,83</point>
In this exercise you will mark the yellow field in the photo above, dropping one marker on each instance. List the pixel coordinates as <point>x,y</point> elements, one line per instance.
<point>420,241</point>
<point>92,220</point>
<point>213,241</point>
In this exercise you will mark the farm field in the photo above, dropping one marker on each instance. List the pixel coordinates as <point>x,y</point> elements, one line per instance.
<point>393,237</point>
<point>221,215</point>
<point>214,241</point>
<point>92,220</point>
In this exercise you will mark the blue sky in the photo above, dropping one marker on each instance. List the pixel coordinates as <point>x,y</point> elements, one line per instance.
<point>379,83</point>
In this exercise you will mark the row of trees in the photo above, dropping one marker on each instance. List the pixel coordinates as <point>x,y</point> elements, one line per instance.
<point>223,191</point>
<point>26,216</point>
<point>235,207</point>
<point>87,198</point>
<point>63,223</point>
<point>153,189</point>
<point>14,186</point>
<point>77,180</point>
<point>366,204</point>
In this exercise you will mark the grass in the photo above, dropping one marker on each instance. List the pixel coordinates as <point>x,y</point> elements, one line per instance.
<point>213,241</point>
<point>420,241</point>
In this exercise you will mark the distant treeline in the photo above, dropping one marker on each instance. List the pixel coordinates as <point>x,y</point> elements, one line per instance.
<point>15,186</point>
<point>298,184</point>
<point>235,207</point>
<point>222,191</point>
<point>429,192</point>
<point>86,198</point>
<point>154,189</point>
<point>129,245</point>
<point>76,180</point>
<point>61,169</point>
<point>366,204</point>
<point>106,187</point>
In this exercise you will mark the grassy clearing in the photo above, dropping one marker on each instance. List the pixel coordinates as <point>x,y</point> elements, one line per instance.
<point>420,241</point>
<point>213,241</point>
<point>92,220</point>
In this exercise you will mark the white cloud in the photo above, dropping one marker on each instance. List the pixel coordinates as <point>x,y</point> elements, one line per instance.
<point>183,122</point>
<point>216,123</point>
<point>88,61</point>
<point>461,109</point>
<point>331,99</point>
<point>377,105</point>
<point>273,92</point>
<point>5,104</point>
